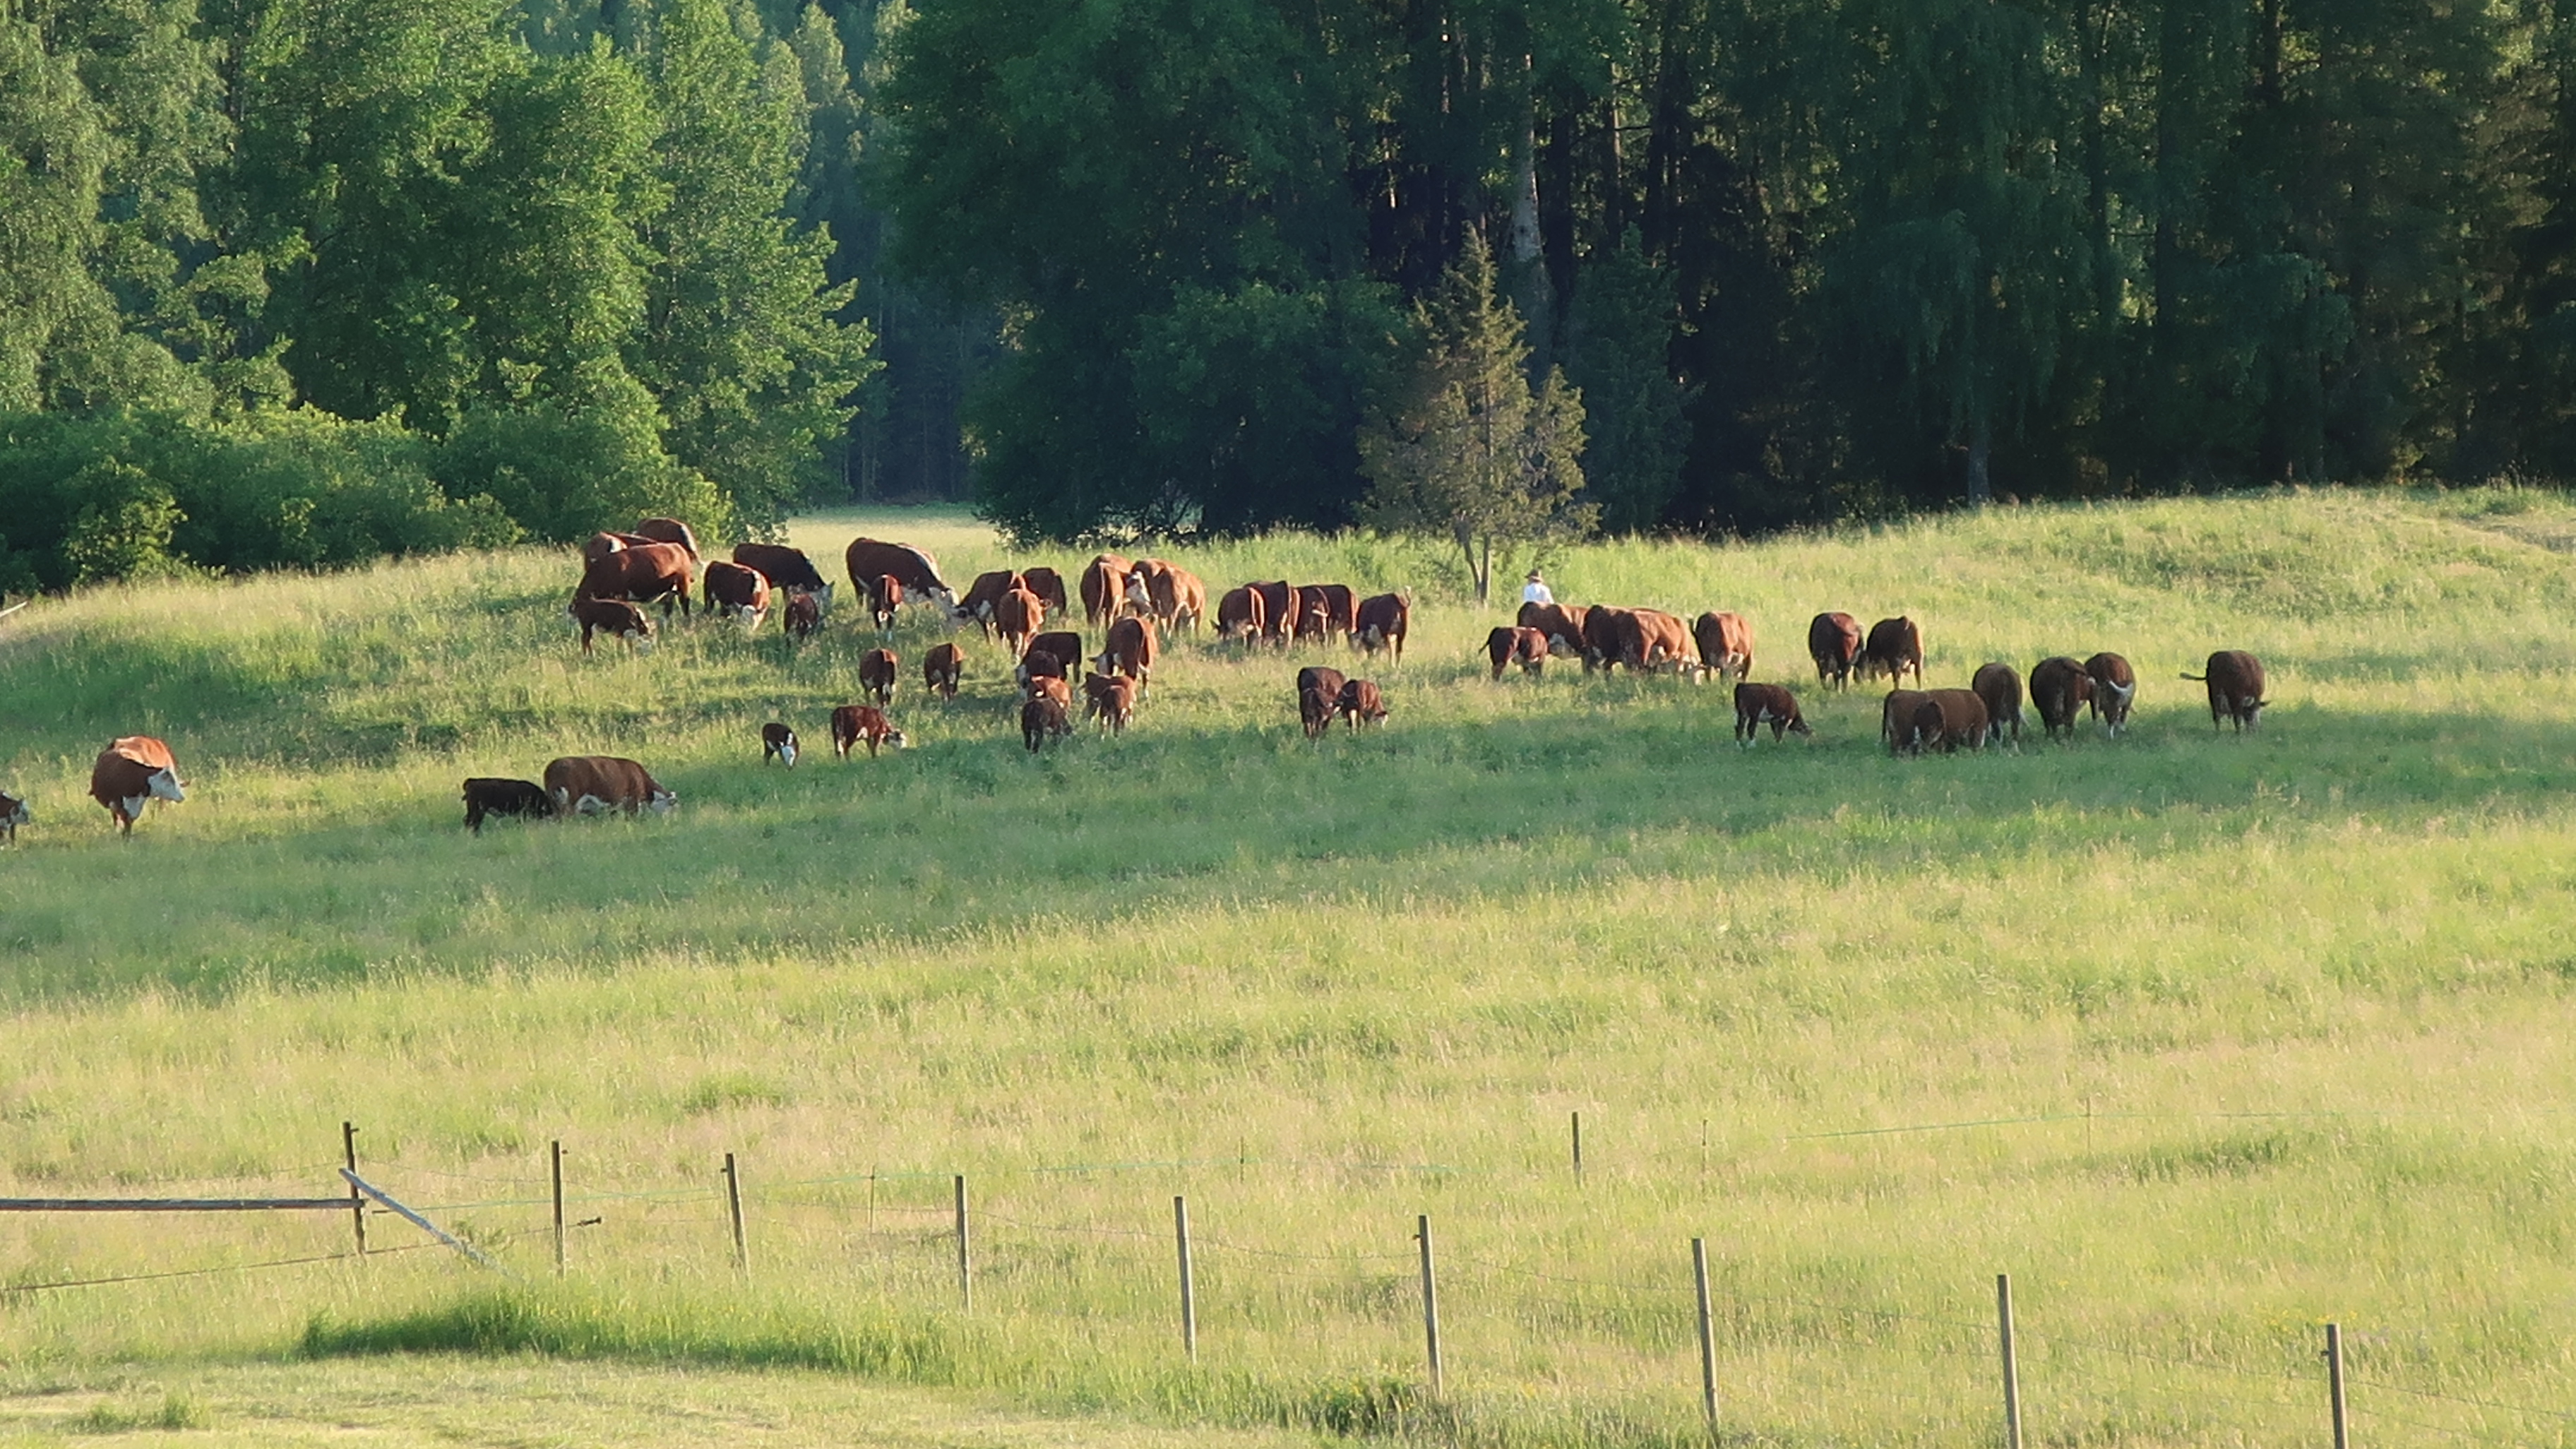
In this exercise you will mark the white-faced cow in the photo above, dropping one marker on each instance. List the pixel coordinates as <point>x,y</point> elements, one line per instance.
<point>1560,624</point>
<point>641,574</point>
<point>786,568</point>
<point>984,595</point>
<point>604,784</point>
<point>854,724</point>
<point>2235,680</point>
<point>2115,688</point>
<point>1130,652</point>
<point>614,617</point>
<point>738,589</point>
<point>1383,621</point>
<point>868,559</point>
<point>131,773</point>
<point>778,742</point>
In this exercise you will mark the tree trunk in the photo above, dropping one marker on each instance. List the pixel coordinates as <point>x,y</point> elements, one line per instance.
<point>1526,267</point>
<point>1981,448</point>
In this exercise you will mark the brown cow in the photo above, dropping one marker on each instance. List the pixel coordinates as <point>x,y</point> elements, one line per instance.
<point>1759,704</point>
<point>1383,621</point>
<point>1310,613</point>
<point>1341,609</point>
<point>777,739</point>
<point>13,813</point>
<point>614,617</point>
<point>1130,652</point>
<point>1043,715</point>
<point>1017,618</point>
<point>1361,703</point>
<point>1324,680</point>
<point>1508,645</point>
<point>1048,686</point>
<point>1560,624</point>
<point>1064,644</point>
<point>1950,718</point>
<point>744,591</point>
<point>2000,687</point>
<point>1139,588</point>
<point>640,574</point>
<point>2115,688</point>
<point>1112,701</point>
<point>131,773</point>
<point>803,614</point>
<point>599,784</point>
<point>1178,598</point>
<point>985,595</point>
<point>669,530</point>
<point>1048,585</point>
<point>942,668</point>
<point>1278,608</point>
<point>885,595</point>
<point>2059,688</point>
<point>1833,641</point>
<point>1725,644</point>
<point>1315,711</point>
<point>854,724</point>
<point>1239,615</point>
<point>1604,637</point>
<point>1896,719</point>
<point>2235,680</point>
<point>1039,664</point>
<point>1895,646</point>
<point>877,670</point>
<point>486,796</point>
<point>868,558</point>
<point>1104,588</point>
<point>785,568</point>
<point>1652,641</point>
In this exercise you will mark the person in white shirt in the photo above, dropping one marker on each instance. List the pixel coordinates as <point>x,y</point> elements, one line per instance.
<point>1536,590</point>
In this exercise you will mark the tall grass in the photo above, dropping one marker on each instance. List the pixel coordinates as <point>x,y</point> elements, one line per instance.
<point>2264,1029</point>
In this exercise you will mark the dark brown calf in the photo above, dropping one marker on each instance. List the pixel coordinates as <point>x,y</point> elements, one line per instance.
<point>877,674</point>
<point>1315,711</point>
<point>1896,720</point>
<point>803,614</point>
<point>1509,645</point>
<point>942,668</point>
<point>1111,700</point>
<point>1361,704</point>
<point>1759,704</point>
<point>778,740</point>
<point>2059,688</point>
<point>2000,688</point>
<point>1833,641</point>
<point>1041,717</point>
<point>485,796</point>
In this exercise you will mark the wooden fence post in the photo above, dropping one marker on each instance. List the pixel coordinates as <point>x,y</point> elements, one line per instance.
<point>357,1204</point>
<point>1189,1292</point>
<point>965,1270</point>
<point>1707,1335</point>
<point>559,1224</point>
<point>2012,1369</point>
<point>1578,1147</point>
<point>2334,1382</point>
<point>733,1207</point>
<point>1430,1302</point>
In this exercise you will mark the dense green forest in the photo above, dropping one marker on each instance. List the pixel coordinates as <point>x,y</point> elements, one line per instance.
<point>297,280</point>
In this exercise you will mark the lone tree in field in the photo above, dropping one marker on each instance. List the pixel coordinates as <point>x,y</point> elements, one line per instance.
<point>1468,451</point>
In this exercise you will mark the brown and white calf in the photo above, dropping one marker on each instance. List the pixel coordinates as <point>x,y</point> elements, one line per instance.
<point>854,724</point>
<point>13,813</point>
<point>1509,645</point>
<point>599,784</point>
<point>1757,705</point>
<point>1111,700</point>
<point>613,617</point>
<point>942,668</point>
<point>2115,688</point>
<point>1361,703</point>
<point>777,740</point>
<point>877,670</point>
<point>131,773</point>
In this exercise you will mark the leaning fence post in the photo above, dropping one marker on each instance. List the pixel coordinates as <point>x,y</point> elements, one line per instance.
<point>1189,1297</point>
<point>2012,1370</point>
<point>965,1273</point>
<point>1430,1302</point>
<point>357,1204</point>
<point>733,1208</point>
<point>2334,1381</point>
<point>559,1226</point>
<point>1707,1338</point>
<point>1578,1147</point>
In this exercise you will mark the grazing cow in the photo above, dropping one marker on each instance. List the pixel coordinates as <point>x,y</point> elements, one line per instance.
<point>1104,588</point>
<point>1833,641</point>
<point>131,773</point>
<point>1017,618</point>
<point>641,573</point>
<point>1179,599</point>
<point>1383,621</point>
<point>885,595</point>
<point>869,558</point>
<point>1140,586</point>
<point>486,796</point>
<point>778,740</point>
<point>1651,641</point>
<point>1896,719</point>
<point>2000,687</point>
<point>1759,704</point>
<point>1048,585</point>
<point>942,668</point>
<point>1895,646</point>
<point>1310,614</point>
<point>803,614</point>
<point>785,568</point>
<point>854,724</point>
<point>1064,644</point>
<point>742,590</point>
<point>1950,718</point>
<point>877,674</point>
<point>985,594</point>
<point>1560,624</point>
<point>1041,717</point>
<point>1239,616</point>
<point>1341,609</point>
<point>1361,704</point>
<point>1323,677</point>
<point>1315,711</point>
<point>1112,701</point>
<point>1048,686</point>
<point>2059,688</point>
<point>1130,652</point>
<point>2235,680</point>
<point>669,530</point>
<point>13,813</point>
<point>1725,644</point>
<point>1040,664</point>
<point>1604,629</point>
<point>614,617</point>
<point>2115,688</point>
<point>1525,647</point>
<point>1278,608</point>
<point>598,784</point>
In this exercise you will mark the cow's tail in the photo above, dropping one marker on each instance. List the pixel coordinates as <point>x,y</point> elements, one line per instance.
<point>2197,678</point>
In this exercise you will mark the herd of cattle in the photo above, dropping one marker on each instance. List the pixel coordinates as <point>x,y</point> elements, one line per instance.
<point>1140,601</point>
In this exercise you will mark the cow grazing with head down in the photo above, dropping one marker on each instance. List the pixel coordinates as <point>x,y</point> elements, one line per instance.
<point>1833,641</point>
<point>985,595</point>
<point>1043,718</point>
<point>1757,705</point>
<point>741,590</point>
<point>1950,718</point>
<point>885,595</point>
<point>1239,616</point>
<point>1725,644</point>
<point>1509,645</point>
<point>1038,665</point>
<point>779,742</point>
<point>1017,618</point>
<point>2115,688</point>
<point>1361,704</point>
<point>1104,588</point>
<point>1319,697</point>
<point>2235,680</point>
<point>803,615</point>
<point>877,669</point>
<point>131,773</point>
<point>1896,719</point>
<point>1177,598</point>
<point>1604,629</point>
<point>1310,615</point>
<point>614,617</point>
<point>1895,646</point>
<point>856,724</point>
<point>13,813</point>
<point>1064,644</point>
<point>486,796</point>
<point>1048,686</point>
<point>1653,642</point>
<point>1112,701</point>
<point>1560,624</point>
<point>1048,585</point>
<point>1278,608</point>
<point>668,530</point>
<point>868,559</point>
<point>1340,605</point>
<point>2000,687</point>
<point>942,668</point>
<point>1130,652</point>
<point>641,574</point>
<point>785,568</point>
<point>602,784</point>
<point>1384,620</point>
<point>2059,688</point>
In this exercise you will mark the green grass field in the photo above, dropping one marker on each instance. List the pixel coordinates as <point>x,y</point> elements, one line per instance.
<point>2206,1039</point>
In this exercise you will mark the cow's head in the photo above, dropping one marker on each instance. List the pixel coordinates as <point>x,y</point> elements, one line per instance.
<point>1138,593</point>
<point>663,800</point>
<point>165,784</point>
<point>13,811</point>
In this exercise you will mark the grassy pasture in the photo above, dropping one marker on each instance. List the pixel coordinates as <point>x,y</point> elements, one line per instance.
<point>2266,1030</point>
